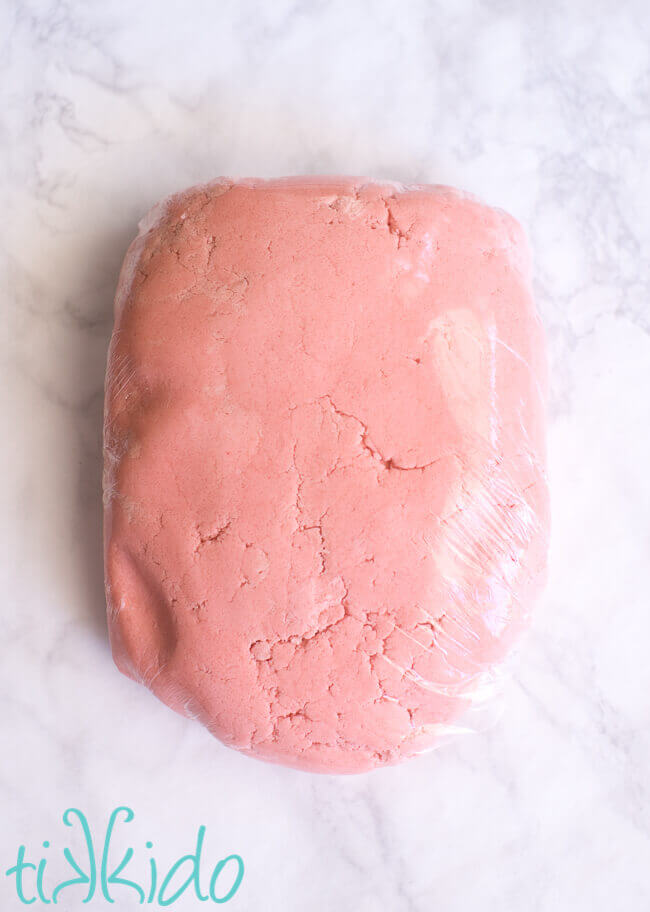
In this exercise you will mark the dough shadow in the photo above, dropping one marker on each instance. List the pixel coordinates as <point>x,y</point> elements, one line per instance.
<point>87,518</point>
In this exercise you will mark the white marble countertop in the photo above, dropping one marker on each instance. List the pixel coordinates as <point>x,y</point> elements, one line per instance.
<point>541,108</point>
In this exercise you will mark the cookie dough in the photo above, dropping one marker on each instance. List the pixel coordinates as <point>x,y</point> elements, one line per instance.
<point>326,513</point>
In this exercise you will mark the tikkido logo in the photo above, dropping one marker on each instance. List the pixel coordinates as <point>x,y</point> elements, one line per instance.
<point>101,877</point>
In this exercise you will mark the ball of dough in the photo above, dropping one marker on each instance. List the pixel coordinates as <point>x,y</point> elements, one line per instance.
<point>325,504</point>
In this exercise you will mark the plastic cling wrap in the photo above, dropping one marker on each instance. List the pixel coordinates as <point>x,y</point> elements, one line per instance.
<point>326,514</point>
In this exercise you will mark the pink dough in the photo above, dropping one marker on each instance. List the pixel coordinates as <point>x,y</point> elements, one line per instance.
<point>326,507</point>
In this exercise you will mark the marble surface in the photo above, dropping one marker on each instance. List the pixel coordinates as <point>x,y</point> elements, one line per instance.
<point>541,108</point>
